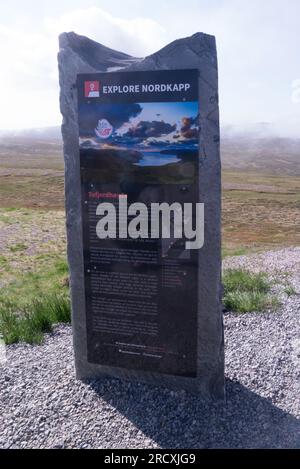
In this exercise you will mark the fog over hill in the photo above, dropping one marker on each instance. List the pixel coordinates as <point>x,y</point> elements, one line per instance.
<point>274,155</point>
<point>257,149</point>
<point>43,133</point>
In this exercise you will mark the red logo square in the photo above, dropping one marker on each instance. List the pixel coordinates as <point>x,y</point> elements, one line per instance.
<point>91,89</point>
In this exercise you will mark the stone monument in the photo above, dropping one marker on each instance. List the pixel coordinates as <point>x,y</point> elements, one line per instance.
<point>122,297</point>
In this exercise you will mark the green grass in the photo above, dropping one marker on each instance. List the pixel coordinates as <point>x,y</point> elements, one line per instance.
<point>9,324</point>
<point>227,252</point>
<point>26,286</point>
<point>3,261</point>
<point>18,247</point>
<point>7,220</point>
<point>61,266</point>
<point>290,291</point>
<point>246,292</point>
<point>10,209</point>
<point>29,323</point>
<point>31,302</point>
<point>53,307</point>
<point>245,281</point>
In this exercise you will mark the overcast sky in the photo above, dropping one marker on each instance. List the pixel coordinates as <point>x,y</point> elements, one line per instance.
<point>258,46</point>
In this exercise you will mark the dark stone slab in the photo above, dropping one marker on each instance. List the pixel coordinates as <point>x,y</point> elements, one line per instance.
<point>79,54</point>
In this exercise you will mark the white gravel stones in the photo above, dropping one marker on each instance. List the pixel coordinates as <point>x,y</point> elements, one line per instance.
<point>43,406</point>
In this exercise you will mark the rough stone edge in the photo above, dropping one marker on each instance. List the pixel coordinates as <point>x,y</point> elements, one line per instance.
<point>194,52</point>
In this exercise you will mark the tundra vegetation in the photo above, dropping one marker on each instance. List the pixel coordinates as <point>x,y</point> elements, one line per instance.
<point>260,212</point>
<point>246,292</point>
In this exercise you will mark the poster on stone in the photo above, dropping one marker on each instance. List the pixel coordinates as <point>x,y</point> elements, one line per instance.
<point>139,143</point>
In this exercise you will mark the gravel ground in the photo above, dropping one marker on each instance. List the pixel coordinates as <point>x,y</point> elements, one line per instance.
<point>43,406</point>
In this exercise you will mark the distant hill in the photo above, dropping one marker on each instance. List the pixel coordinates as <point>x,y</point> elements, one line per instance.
<point>272,155</point>
<point>252,151</point>
<point>43,133</point>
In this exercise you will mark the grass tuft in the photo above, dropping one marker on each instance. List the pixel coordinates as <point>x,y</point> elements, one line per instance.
<point>3,261</point>
<point>36,318</point>
<point>290,291</point>
<point>19,247</point>
<point>246,292</point>
<point>62,267</point>
<point>245,281</point>
<point>54,308</point>
<point>9,324</point>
